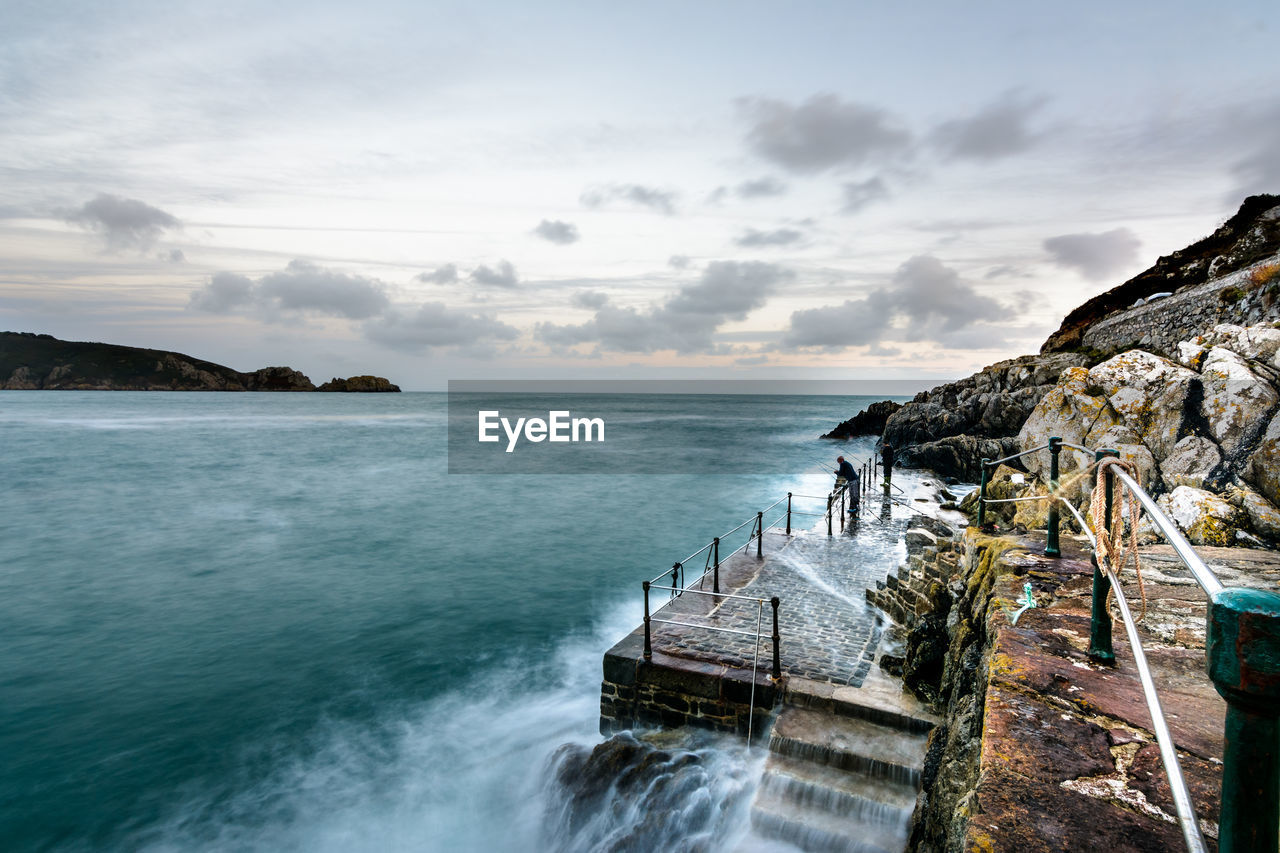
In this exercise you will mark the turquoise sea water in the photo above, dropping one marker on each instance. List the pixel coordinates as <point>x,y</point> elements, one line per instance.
<point>274,621</point>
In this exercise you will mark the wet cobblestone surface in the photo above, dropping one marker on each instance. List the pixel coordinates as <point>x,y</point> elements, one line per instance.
<point>828,631</point>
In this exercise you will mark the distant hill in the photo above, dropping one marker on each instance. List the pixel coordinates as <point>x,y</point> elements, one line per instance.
<point>42,362</point>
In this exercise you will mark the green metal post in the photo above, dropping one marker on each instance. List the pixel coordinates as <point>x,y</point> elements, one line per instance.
<point>648,638</point>
<point>1243,652</point>
<point>1052,547</point>
<point>1100,648</point>
<point>829,515</point>
<point>777,640</point>
<point>788,515</point>
<point>982,492</point>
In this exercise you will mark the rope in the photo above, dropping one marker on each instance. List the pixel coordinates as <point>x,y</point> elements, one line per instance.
<point>1110,531</point>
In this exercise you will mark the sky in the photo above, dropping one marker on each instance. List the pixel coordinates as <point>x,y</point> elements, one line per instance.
<point>496,190</point>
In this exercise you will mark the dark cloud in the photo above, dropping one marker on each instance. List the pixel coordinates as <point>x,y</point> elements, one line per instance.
<point>592,299</point>
<point>301,288</point>
<point>432,325</point>
<point>765,187</point>
<point>679,261</point>
<point>727,290</point>
<point>663,201</point>
<point>997,130</point>
<point>447,274</point>
<point>859,194</point>
<point>753,239</point>
<point>125,223</point>
<point>822,133</point>
<point>1095,256</point>
<point>926,300</point>
<point>174,256</point>
<point>504,275</point>
<point>562,233</point>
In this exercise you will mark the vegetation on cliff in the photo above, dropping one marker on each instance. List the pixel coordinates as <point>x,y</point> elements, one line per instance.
<point>42,362</point>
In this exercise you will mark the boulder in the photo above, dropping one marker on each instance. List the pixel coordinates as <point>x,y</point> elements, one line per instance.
<point>1071,410</point>
<point>1190,463</point>
<point>1205,518</point>
<point>1263,516</point>
<point>1149,393</point>
<point>1263,466</point>
<point>1190,354</point>
<point>1002,484</point>
<point>1260,343</point>
<point>870,421</point>
<point>957,455</point>
<point>1236,402</point>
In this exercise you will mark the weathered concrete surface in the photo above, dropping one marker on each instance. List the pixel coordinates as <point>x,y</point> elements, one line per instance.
<point>1066,759</point>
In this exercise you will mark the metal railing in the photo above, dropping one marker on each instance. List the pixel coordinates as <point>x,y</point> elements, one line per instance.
<point>1242,635</point>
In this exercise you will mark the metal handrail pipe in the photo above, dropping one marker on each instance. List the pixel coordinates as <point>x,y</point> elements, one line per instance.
<point>1081,448</point>
<point>1164,738</point>
<point>775,503</point>
<point>1203,574</point>
<point>751,520</point>
<point>707,627</point>
<point>697,552</point>
<point>704,592</point>
<point>1014,500</point>
<point>1093,542</point>
<point>812,497</point>
<point>994,462</point>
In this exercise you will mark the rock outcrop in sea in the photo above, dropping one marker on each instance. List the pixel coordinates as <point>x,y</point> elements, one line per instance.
<point>870,421</point>
<point>30,362</point>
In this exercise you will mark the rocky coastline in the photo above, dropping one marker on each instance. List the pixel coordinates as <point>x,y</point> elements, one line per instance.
<point>1178,370</point>
<point>31,362</point>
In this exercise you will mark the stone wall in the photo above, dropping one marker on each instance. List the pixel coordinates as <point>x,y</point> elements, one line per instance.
<point>671,692</point>
<point>1159,325</point>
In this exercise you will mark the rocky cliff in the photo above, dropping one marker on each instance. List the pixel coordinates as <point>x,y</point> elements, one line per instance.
<point>43,362</point>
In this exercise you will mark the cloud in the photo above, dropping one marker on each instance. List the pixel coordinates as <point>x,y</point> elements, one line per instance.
<point>926,300</point>
<point>727,290</point>
<point>662,201</point>
<point>1260,171</point>
<point>503,276</point>
<point>125,223</point>
<point>562,233</point>
<point>765,187</point>
<point>446,274</point>
<point>751,238</point>
<point>592,299</point>
<point>859,194</point>
<point>679,261</point>
<point>1095,256</point>
<point>300,288</point>
<point>432,325</point>
<point>224,293</point>
<point>998,130</point>
<point>822,133</point>
<point>174,256</point>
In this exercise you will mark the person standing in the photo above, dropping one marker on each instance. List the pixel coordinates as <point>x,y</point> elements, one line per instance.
<point>847,476</point>
<point>886,461</point>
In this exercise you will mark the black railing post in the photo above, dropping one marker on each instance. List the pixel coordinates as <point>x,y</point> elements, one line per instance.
<point>760,534</point>
<point>715,572</point>
<point>777,640</point>
<point>675,579</point>
<point>1100,648</point>
<point>982,492</point>
<point>1051,546</point>
<point>1242,645</point>
<point>648,638</point>
<point>788,513</point>
<point>829,497</point>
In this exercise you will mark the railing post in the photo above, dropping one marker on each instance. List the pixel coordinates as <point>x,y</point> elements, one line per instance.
<point>759,534</point>
<point>675,579</point>
<point>777,640</point>
<point>982,493</point>
<point>715,572</point>
<point>1243,652</point>
<point>829,515</point>
<point>648,638</point>
<point>1100,648</point>
<point>788,514</point>
<point>1052,547</point>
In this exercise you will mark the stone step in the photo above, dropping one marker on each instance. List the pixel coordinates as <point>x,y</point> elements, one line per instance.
<point>824,788</point>
<point>849,743</point>
<point>914,718</point>
<point>823,834</point>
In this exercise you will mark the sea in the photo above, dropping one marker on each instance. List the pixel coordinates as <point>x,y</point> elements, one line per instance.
<point>276,622</point>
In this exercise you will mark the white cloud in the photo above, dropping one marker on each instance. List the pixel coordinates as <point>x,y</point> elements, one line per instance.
<point>434,325</point>
<point>446,274</point>
<point>822,133</point>
<point>998,130</point>
<point>555,231</point>
<point>503,275</point>
<point>661,201</point>
<point>301,288</point>
<point>754,239</point>
<point>125,223</point>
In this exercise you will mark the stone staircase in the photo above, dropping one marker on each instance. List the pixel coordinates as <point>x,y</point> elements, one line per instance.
<point>841,776</point>
<point>904,595</point>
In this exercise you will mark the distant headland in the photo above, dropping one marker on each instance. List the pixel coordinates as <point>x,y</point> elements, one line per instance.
<point>31,362</point>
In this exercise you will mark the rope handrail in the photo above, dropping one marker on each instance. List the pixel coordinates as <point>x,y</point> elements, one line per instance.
<point>1199,569</point>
